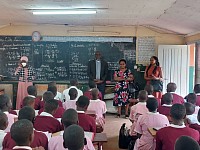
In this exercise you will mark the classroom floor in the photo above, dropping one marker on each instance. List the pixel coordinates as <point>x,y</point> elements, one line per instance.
<point>112,128</point>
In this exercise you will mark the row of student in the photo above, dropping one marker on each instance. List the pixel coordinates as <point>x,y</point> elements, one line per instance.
<point>144,115</point>
<point>23,135</point>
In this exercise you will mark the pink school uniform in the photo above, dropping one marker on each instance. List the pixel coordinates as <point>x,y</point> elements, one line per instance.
<point>136,110</point>
<point>164,109</point>
<point>196,109</point>
<point>148,120</point>
<point>166,137</point>
<point>56,143</point>
<point>69,104</point>
<point>11,120</point>
<point>177,99</point>
<point>40,139</point>
<point>99,107</point>
<point>46,122</point>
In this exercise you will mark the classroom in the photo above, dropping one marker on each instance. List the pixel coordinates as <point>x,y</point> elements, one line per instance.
<point>54,51</point>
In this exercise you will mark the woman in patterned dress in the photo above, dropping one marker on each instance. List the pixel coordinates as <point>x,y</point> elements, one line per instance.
<point>123,76</point>
<point>26,76</point>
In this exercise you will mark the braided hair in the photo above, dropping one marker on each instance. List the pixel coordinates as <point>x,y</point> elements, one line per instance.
<point>157,64</point>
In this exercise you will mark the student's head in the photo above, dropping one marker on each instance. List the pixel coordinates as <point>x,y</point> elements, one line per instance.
<point>98,55</point>
<point>171,87</point>
<point>73,138</point>
<point>28,101</point>
<point>197,88</point>
<point>177,112</point>
<point>152,104</point>
<point>52,83</point>
<point>69,117</point>
<point>143,96</point>
<point>32,90</point>
<point>22,132</point>
<point>27,113</point>
<point>149,89</point>
<point>167,98</point>
<point>94,93</point>
<point>82,103</point>
<point>190,108</point>
<point>122,63</point>
<point>186,143</point>
<point>5,103</point>
<point>3,121</point>
<point>73,93</point>
<point>51,106</point>
<point>47,96</point>
<point>52,89</point>
<point>73,82</point>
<point>154,61</point>
<point>92,84</point>
<point>191,98</point>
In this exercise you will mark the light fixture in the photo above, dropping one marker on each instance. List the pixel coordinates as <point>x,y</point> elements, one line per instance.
<point>63,12</point>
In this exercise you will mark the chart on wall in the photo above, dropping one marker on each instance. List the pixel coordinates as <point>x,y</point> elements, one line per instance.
<point>64,58</point>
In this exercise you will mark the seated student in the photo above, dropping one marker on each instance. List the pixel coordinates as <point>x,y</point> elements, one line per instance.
<point>47,96</point>
<point>53,89</point>
<point>45,121</point>
<point>85,121</point>
<point>5,106</point>
<point>191,98</point>
<point>3,126</point>
<point>149,89</point>
<point>197,92</point>
<point>191,118</point>
<point>73,98</point>
<point>149,120</point>
<point>69,118</point>
<point>177,99</point>
<point>167,136</point>
<point>58,96</point>
<point>32,92</point>
<point>39,139</point>
<point>137,110</point>
<point>74,84</point>
<point>186,143</point>
<point>99,107</point>
<point>166,102</point>
<point>88,94</point>
<point>71,133</point>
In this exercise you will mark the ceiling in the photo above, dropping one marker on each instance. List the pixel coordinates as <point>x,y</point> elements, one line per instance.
<point>180,16</point>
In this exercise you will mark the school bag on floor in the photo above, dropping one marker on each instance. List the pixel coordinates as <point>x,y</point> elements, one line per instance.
<point>124,139</point>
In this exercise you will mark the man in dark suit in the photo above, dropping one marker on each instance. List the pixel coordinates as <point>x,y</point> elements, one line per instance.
<point>97,72</point>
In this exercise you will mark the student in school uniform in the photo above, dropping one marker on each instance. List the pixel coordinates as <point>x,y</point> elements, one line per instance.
<point>192,98</point>
<point>71,133</point>
<point>167,136</point>
<point>59,95</point>
<point>166,101</point>
<point>45,97</point>
<point>73,98</point>
<point>191,118</point>
<point>45,121</point>
<point>177,99</point>
<point>22,133</point>
<point>149,89</point>
<point>74,84</point>
<point>3,126</point>
<point>53,89</point>
<point>196,125</point>
<point>5,106</point>
<point>149,120</point>
<point>40,139</point>
<point>137,110</point>
<point>32,92</point>
<point>186,143</point>
<point>99,107</point>
<point>197,92</point>
<point>85,121</point>
<point>69,118</point>
<point>88,94</point>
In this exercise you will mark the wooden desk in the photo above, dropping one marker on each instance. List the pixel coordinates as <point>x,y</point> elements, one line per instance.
<point>100,138</point>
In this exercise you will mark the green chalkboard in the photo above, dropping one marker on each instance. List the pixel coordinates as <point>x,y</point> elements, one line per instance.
<point>55,59</point>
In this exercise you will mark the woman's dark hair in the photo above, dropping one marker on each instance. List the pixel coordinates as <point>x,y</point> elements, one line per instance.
<point>157,64</point>
<point>122,60</point>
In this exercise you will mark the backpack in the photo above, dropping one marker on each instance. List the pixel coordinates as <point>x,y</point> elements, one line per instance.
<point>124,138</point>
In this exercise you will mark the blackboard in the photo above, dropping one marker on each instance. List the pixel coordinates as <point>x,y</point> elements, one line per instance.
<point>62,60</point>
